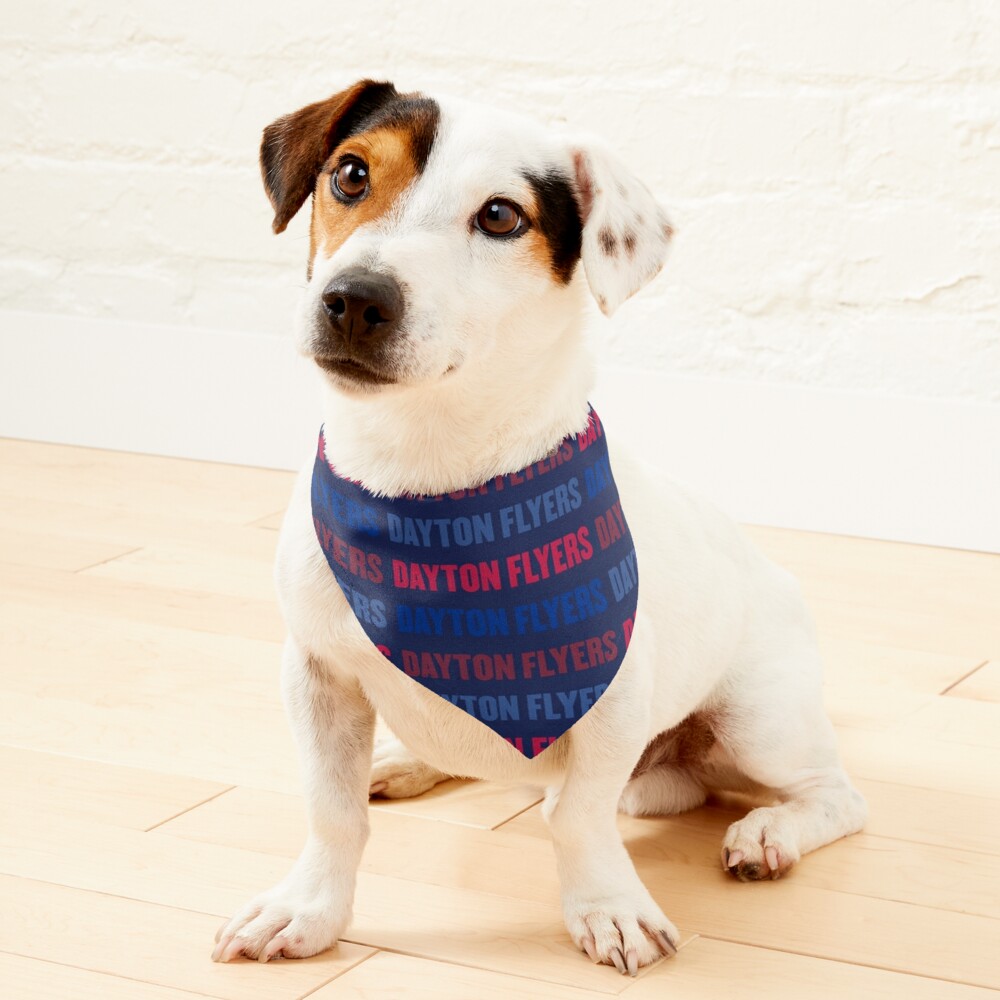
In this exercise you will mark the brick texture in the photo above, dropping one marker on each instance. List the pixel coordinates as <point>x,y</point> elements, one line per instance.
<point>832,167</point>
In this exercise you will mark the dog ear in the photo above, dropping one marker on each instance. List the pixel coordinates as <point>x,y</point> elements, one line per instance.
<point>626,233</point>
<point>295,147</point>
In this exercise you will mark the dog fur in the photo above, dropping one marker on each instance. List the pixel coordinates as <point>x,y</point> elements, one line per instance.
<point>482,374</point>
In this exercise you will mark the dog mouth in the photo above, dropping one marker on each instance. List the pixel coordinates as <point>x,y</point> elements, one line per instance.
<point>353,370</point>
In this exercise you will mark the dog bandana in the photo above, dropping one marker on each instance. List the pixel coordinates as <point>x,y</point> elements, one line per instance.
<point>514,600</point>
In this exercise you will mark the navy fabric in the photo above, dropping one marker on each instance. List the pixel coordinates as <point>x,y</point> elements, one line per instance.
<point>514,600</point>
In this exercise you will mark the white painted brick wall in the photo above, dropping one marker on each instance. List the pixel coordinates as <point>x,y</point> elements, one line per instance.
<point>834,168</point>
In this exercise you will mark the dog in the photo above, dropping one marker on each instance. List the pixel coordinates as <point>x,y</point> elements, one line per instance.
<point>451,249</point>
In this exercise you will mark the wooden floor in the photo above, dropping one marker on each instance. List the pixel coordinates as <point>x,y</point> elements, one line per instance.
<point>150,786</point>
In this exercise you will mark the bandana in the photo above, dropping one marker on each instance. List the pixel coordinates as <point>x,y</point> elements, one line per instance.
<point>513,601</point>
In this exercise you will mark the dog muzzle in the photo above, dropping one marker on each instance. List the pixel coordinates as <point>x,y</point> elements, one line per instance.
<point>514,600</point>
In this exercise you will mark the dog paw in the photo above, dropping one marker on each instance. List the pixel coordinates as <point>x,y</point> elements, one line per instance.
<point>397,774</point>
<point>282,923</point>
<point>621,933</point>
<point>762,845</point>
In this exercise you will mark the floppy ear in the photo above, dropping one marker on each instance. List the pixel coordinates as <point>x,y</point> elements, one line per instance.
<point>626,234</point>
<point>295,147</point>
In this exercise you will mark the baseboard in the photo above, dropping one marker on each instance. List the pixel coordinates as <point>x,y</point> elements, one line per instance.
<point>903,468</point>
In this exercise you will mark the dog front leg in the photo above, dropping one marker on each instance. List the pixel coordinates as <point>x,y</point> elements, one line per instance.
<point>307,911</point>
<point>609,912</point>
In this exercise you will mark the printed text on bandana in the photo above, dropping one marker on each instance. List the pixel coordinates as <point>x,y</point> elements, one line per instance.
<point>514,601</point>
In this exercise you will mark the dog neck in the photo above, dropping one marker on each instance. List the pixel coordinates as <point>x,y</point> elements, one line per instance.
<point>487,419</point>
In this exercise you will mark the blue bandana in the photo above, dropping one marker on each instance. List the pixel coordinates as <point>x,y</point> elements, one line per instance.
<point>514,600</point>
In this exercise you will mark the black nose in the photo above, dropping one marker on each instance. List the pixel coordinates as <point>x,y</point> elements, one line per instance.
<point>363,308</point>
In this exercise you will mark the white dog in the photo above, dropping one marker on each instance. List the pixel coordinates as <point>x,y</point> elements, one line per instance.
<point>443,310</point>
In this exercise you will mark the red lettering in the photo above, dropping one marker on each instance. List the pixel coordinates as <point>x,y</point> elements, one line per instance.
<point>411,665</point>
<point>560,655</point>
<point>572,551</point>
<point>323,533</point>
<point>595,651</point>
<point>340,551</point>
<point>542,555</point>
<point>610,525</point>
<point>559,564</point>
<point>357,561</point>
<point>552,558</point>
<point>489,575</point>
<point>442,662</point>
<point>427,668</point>
<point>503,666</point>
<point>610,646</point>
<point>603,538</point>
<point>544,670</point>
<point>529,659</point>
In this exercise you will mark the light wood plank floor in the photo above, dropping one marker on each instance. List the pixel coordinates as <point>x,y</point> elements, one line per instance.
<point>150,784</point>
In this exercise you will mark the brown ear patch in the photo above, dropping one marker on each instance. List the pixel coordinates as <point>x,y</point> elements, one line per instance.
<point>393,155</point>
<point>557,225</point>
<point>607,240</point>
<point>294,148</point>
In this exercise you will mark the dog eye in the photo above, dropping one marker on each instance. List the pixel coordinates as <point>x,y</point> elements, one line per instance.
<point>350,179</point>
<point>498,217</point>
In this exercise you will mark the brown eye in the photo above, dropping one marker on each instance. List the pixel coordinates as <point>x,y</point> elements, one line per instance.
<point>499,217</point>
<point>350,179</point>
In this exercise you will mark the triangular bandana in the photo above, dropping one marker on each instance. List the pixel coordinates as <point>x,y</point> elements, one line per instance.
<point>514,600</point>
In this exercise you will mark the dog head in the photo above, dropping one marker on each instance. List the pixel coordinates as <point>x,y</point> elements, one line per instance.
<point>445,234</point>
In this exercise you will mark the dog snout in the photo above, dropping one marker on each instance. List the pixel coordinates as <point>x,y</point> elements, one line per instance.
<point>362,308</point>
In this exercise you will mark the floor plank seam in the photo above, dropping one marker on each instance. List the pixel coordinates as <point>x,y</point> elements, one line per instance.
<point>983,799</point>
<point>184,812</point>
<point>929,843</point>
<point>103,762</point>
<point>888,898</point>
<point>485,968</point>
<point>104,562</point>
<point>333,979</point>
<point>111,975</point>
<point>964,677</point>
<point>255,523</point>
<point>520,812</point>
<point>843,961</point>
<point>117,895</point>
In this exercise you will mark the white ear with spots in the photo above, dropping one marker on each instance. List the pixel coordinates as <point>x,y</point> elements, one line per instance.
<point>626,233</point>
